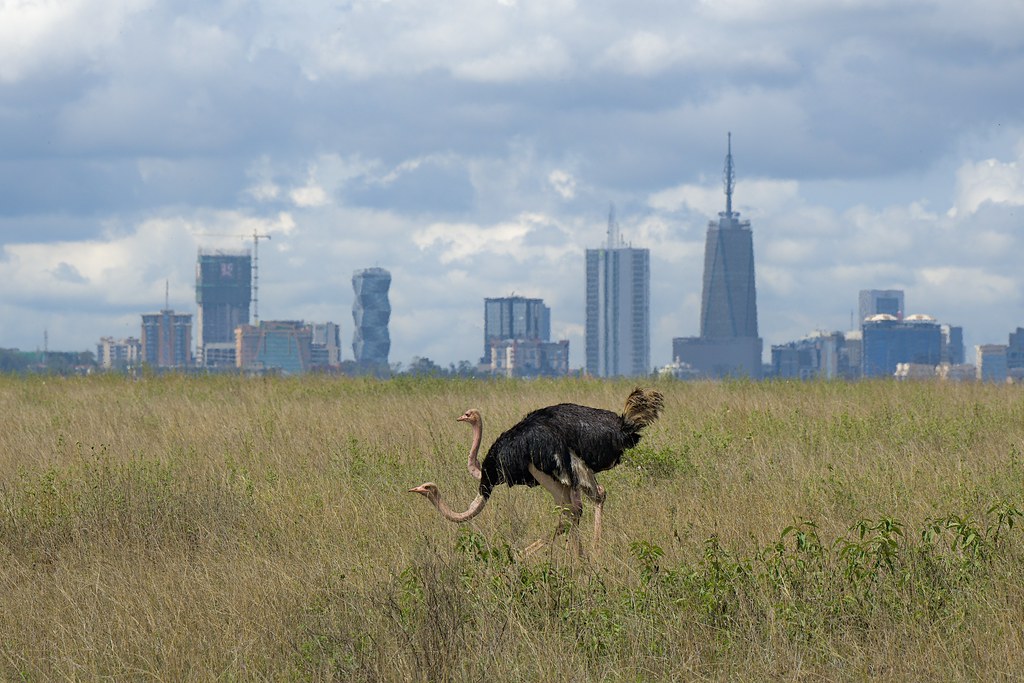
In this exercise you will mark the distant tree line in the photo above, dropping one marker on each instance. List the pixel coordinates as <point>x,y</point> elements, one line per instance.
<point>424,367</point>
<point>53,362</point>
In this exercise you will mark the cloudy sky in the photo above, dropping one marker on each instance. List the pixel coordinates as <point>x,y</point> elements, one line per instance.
<point>473,148</point>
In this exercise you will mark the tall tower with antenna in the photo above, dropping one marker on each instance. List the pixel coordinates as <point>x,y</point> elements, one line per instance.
<point>729,300</point>
<point>728,344</point>
<point>618,290</point>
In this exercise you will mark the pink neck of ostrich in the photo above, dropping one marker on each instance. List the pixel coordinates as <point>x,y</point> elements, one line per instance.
<point>472,511</point>
<point>474,450</point>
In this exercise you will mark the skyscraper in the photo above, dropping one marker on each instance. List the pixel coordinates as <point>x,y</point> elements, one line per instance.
<point>514,317</point>
<point>888,341</point>
<point>223,294</point>
<point>728,307</point>
<point>728,344</point>
<point>371,312</point>
<point>880,302</point>
<point>618,329</point>
<point>952,344</point>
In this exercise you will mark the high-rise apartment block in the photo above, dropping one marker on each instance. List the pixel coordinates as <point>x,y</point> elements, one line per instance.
<point>167,339</point>
<point>514,317</point>
<point>728,345</point>
<point>618,325</point>
<point>371,312</point>
<point>223,295</point>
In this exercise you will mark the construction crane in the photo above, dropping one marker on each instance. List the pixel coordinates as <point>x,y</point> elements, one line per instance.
<point>256,237</point>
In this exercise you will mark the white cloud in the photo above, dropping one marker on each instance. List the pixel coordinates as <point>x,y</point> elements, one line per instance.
<point>789,251</point>
<point>642,53</point>
<point>544,57</point>
<point>461,241</point>
<point>764,196</point>
<point>564,183</point>
<point>701,198</point>
<point>988,181</point>
<point>967,286</point>
<point>309,196</point>
<point>128,269</point>
<point>264,191</point>
<point>40,34</point>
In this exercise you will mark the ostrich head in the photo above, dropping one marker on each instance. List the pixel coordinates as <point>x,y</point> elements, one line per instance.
<point>473,419</point>
<point>429,490</point>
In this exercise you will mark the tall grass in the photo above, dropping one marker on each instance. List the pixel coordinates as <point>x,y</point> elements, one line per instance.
<point>221,528</point>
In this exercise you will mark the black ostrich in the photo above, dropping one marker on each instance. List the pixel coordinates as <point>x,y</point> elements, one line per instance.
<point>560,447</point>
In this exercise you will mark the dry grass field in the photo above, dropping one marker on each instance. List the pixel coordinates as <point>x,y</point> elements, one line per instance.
<point>234,529</point>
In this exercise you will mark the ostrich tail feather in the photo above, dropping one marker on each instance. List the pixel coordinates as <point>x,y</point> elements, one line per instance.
<point>643,407</point>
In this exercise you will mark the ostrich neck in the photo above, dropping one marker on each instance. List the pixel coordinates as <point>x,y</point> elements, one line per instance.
<point>472,511</point>
<point>474,450</point>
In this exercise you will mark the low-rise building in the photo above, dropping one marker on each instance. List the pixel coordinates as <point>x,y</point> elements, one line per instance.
<point>529,358</point>
<point>275,345</point>
<point>118,354</point>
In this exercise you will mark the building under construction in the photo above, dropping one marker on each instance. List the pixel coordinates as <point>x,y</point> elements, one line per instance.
<point>223,295</point>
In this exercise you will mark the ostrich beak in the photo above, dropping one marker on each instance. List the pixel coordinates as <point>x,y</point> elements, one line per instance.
<point>461,418</point>
<point>417,489</point>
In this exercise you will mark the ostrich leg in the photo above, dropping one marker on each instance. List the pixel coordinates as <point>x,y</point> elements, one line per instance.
<point>569,504</point>
<point>594,491</point>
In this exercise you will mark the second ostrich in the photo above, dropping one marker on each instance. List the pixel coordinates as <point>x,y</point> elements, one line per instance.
<point>560,447</point>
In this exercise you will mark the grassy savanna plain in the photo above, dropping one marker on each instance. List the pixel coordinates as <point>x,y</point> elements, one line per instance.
<point>222,528</point>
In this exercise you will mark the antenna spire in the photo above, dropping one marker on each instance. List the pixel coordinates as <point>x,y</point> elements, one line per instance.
<point>729,178</point>
<point>613,227</point>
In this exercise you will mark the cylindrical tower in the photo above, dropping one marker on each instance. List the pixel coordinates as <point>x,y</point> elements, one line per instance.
<point>371,312</point>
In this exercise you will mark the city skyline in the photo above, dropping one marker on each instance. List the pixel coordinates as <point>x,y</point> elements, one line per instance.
<point>882,148</point>
<point>240,261</point>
